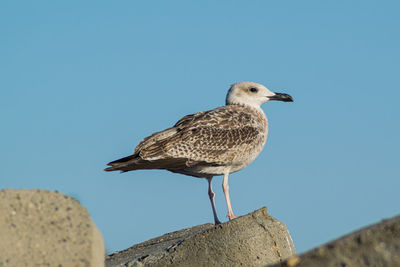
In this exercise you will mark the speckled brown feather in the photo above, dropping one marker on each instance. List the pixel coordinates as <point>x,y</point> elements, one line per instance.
<point>228,135</point>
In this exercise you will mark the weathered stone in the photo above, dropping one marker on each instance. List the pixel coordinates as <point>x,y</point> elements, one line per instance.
<point>44,228</point>
<point>251,240</point>
<point>376,245</point>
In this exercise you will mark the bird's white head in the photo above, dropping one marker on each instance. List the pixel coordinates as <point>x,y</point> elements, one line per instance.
<point>253,94</point>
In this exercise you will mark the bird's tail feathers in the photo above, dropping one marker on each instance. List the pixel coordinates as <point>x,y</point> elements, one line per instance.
<point>122,164</point>
<point>135,162</point>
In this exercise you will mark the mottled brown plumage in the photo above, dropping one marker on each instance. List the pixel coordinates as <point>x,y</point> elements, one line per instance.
<point>209,143</point>
<point>227,136</point>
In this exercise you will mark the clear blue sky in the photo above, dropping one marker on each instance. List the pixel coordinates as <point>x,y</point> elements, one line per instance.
<point>82,82</point>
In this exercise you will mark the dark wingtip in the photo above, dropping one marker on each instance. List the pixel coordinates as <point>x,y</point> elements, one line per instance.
<point>108,169</point>
<point>117,164</point>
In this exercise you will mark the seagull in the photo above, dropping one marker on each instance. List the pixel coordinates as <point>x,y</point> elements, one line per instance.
<point>209,143</point>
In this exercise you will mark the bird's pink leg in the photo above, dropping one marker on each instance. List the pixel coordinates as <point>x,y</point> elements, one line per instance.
<point>211,194</point>
<point>225,187</point>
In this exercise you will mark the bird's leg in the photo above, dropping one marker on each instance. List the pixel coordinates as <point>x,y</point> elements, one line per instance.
<point>225,187</point>
<point>211,194</point>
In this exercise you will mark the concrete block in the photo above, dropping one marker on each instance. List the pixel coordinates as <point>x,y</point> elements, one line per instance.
<point>376,245</point>
<point>255,239</point>
<point>44,228</point>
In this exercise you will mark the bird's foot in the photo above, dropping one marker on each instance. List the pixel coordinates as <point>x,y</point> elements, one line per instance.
<point>217,222</point>
<point>231,216</point>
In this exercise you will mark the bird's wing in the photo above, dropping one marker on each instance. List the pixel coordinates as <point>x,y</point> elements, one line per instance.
<point>216,136</point>
<point>189,118</point>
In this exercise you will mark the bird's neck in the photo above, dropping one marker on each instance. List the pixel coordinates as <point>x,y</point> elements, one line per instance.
<point>253,107</point>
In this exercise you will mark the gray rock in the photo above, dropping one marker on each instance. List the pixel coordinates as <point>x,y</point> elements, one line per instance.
<point>251,240</point>
<point>376,245</point>
<point>44,228</point>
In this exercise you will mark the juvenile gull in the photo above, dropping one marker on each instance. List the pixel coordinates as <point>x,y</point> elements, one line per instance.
<point>209,143</point>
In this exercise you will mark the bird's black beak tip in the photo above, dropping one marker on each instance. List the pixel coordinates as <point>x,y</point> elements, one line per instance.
<point>281,97</point>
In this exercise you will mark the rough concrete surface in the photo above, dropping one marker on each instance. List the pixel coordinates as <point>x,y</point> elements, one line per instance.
<point>44,228</point>
<point>376,245</point>
<point>255,239</point>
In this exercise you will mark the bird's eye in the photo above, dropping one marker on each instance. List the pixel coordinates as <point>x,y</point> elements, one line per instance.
<point>253,90</point>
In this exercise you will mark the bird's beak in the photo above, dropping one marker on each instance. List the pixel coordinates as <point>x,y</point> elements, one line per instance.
<point>281,97</point>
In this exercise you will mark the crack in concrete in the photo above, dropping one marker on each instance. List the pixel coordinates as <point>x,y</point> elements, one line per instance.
<point>276,249</point>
